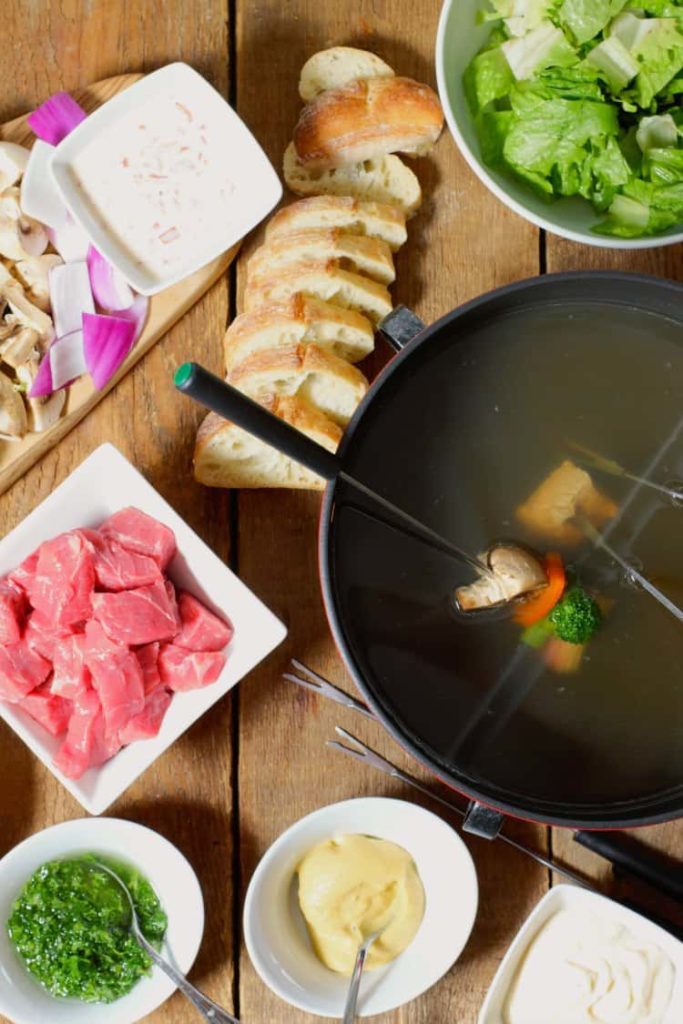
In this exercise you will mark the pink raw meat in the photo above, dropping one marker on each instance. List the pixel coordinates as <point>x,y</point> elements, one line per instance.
<point>138,616</point>
<point>173,600</point>
<point>50,711</point>
<point>12,612</point>
<point>43,636</point>
<point>64,580</point>
<point>21,576</point>
<point>141,533</point>
<point>117,677</point>
<point>189,670</point>
<point>87,743</point>
<point>201,630</point>
<point>147,724</point>
<point>71,675</point>
<point>21,670</point>
<point>118,568</point>
<point>148,656</point>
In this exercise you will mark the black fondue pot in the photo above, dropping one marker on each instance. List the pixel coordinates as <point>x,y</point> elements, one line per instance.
<point>562,753</point>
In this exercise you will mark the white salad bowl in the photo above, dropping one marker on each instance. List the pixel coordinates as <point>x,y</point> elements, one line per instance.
<point>569,897</point>
<point>22,998</point>
<point>275,931</point>
<point>257,187</point>
<point>459,38</point>
<point>102,484</point>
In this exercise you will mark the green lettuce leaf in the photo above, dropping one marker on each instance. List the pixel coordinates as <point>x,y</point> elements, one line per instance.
<point>586,18</point>
<point>546,46</point>
<point>487,78</point>
<point>660,56</point>
<point>580,82</point>
<point>522,16</point>
<point>492,128</point>
<point>663,167</point>
<point>657,132</point>
<point>615,62</point>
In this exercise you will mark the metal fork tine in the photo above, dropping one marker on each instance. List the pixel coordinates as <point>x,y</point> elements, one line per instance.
<point>365,753</point>
<point>324,688</point>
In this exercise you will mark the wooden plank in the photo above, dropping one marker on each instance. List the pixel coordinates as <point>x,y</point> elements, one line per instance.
<point>664,261</point>
<point>462,243</point>
<point>186,795</point>
<point>164,311</point>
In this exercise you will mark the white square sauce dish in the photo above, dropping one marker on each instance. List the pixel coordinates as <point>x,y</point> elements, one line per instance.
<point>578,949</point>
<point>164,178</point>
<point>104,484</point>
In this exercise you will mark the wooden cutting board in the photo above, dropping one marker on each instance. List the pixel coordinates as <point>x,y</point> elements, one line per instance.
<point>165,309</point>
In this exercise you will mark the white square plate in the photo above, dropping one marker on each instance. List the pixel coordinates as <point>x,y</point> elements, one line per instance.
<point>102,484</point>
<point>562,897</point>
<point>257,186</point>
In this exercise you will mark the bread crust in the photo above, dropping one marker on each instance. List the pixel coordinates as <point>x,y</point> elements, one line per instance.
<point>328,69</point>
<point>366,119</point>
<point>369,256</point>
<point>376,220</point>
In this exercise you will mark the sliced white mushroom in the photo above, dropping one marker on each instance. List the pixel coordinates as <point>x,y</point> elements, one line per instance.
<point>13,418</point>
<point>513,571</point>
<point>34,272</point>
<point>20,236</point>
<point>21,344</point>
<point>13,161</point>
<point>43,413</point>
<point>24,310</point>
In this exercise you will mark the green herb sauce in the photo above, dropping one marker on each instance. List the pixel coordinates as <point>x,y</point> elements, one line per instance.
<point>69,925</point>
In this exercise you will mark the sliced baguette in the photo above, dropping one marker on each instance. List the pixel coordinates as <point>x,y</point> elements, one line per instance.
<point>227,456</point>
<point>299,321</point>
<point>325,281</point>
<point>368,256</point>
<point>329,384</point>
<point>365,120</point>
<point>332,68</point>
<point>382,180</point>
<point>376,220</point>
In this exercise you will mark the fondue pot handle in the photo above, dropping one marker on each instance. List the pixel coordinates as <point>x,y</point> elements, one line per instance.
<point>629,855</point>
<point>227,401</point>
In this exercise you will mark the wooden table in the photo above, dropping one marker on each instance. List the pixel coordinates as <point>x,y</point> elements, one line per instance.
<point>257,762</point>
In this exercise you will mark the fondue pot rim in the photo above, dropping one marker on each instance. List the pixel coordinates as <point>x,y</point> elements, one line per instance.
<point>612,815</point>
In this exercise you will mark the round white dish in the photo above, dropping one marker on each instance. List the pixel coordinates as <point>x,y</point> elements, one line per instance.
<point>23,1000</point>
<point>275,931</point>
<point>458,39</point>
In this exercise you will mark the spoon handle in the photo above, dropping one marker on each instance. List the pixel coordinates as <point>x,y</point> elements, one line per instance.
<point>354,987</point>
<point>208,1009</point>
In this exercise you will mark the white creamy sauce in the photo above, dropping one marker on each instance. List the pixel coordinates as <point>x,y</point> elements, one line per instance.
<point>582,968</point>
<point>159,183</point>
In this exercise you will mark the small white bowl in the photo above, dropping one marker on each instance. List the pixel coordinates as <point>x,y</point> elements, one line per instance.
<point>275,931</point>
<point>564,897</point>
<point>22,999</point>
<point>257,186</point>
<point>102,484</point>
<point>458,39</point>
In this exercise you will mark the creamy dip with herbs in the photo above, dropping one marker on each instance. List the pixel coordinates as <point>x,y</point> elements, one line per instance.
<point>160,184</point>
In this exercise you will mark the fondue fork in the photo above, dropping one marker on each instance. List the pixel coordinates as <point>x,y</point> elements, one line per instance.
<point>604,465</point>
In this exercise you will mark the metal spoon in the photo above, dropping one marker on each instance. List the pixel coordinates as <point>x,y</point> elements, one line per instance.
<point>354,986</point>
<point>208,1009</point>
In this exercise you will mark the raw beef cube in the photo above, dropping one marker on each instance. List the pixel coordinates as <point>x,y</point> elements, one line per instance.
<point>43,636</point>
<point>64,580</point>
<point>148,656</point>
<point>21,670</point>
<point>21,576</point>
<point>71,674</point>
<point>141,533</point>
<point>201,630</point>
<point>147,724</point>
<point>50,711</point>
<point>117,677</point>
<point>87,742</point>
<point>12,611</point>
<point>138,616</point>
<point>189,670</point>
<point>173,599</point>
<point>117,568</point>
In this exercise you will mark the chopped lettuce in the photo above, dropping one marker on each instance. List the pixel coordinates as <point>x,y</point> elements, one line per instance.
<point>586,18</point>
<point>582,98</point>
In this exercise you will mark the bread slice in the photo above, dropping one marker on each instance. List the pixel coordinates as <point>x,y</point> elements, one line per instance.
<point>227,456</point>
<point>384,179</point>
<point>299,321</point>
<point>367,119</point>
<point>376,220</point>
<point>368,256</point>
<point>319,280</point>
<point>329,384</point>
<point>332,68</point>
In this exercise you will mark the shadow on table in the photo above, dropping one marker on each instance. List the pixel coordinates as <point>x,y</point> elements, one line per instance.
<point>18,768</point>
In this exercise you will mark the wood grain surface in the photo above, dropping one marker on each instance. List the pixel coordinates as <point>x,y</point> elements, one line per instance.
<point>258,761</point>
